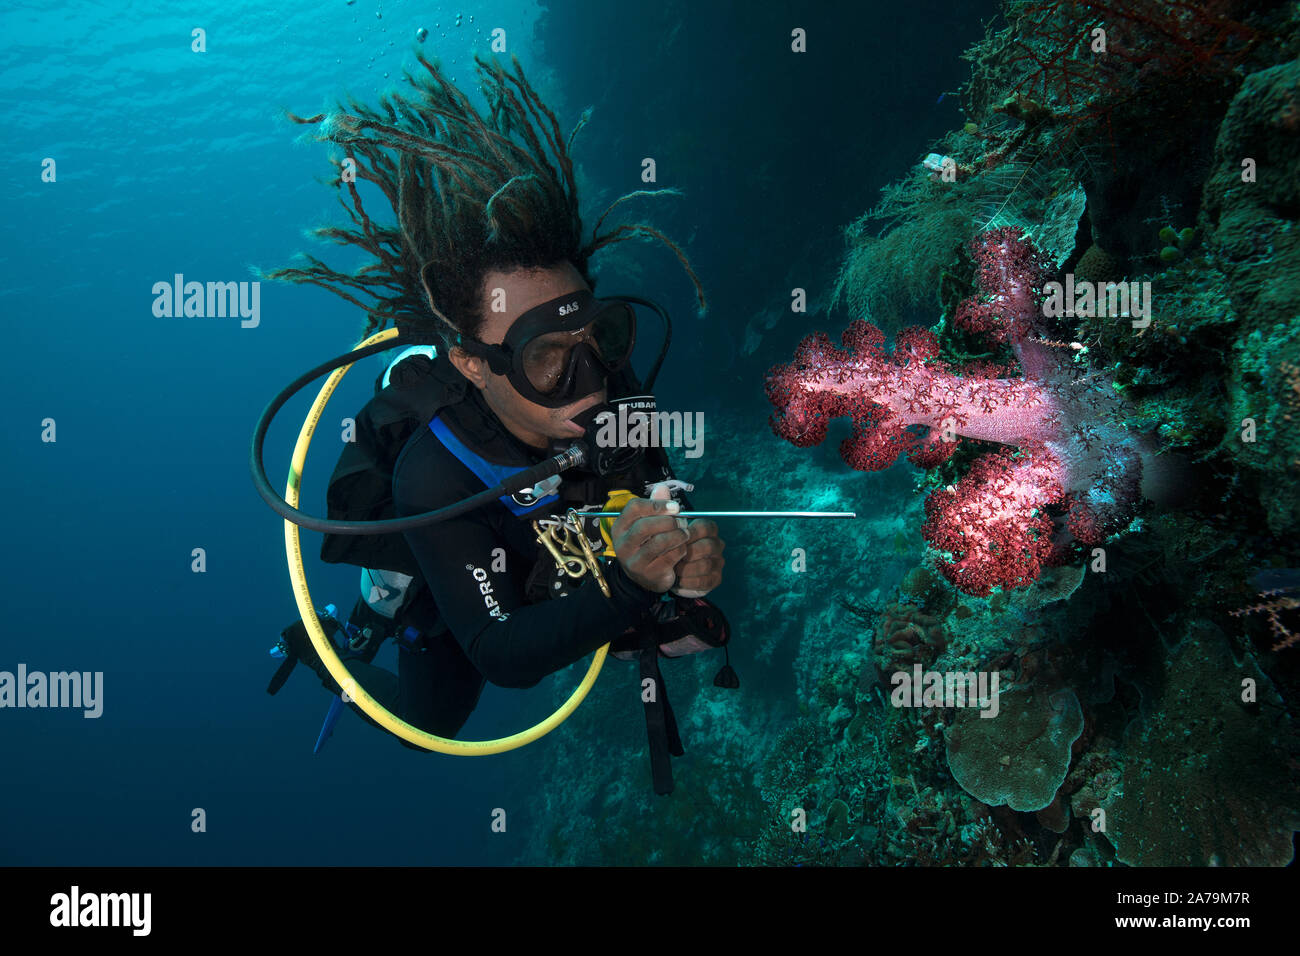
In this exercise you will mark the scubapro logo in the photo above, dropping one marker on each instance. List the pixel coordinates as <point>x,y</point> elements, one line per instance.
<point>485,588</point>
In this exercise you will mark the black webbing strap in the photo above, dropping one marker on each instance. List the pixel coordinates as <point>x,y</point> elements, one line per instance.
<point>662,737</point>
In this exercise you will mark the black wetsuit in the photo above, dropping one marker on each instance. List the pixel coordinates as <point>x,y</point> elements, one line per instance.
<point>482,605</point>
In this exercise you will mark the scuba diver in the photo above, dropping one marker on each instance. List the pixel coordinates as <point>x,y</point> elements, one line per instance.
<point>514,360</point>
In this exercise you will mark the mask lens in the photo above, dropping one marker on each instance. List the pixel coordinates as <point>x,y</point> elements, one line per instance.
<point>614,333</point>
<point>545,358</point>
<point>611,335</point>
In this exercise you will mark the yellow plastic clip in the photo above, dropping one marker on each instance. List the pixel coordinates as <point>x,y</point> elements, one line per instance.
<point>617,500</point>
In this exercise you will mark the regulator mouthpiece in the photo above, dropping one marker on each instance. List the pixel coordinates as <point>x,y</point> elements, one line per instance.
<point>615,433</point>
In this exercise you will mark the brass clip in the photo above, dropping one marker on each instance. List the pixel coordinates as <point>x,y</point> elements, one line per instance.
<point>567,543</point>
<point>556,539</point>
<point>588,555</point>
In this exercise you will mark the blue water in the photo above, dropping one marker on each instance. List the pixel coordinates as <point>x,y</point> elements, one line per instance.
<point>172,161</point>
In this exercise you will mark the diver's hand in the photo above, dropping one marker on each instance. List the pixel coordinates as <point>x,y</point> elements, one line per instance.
<point>649,542</point>
<point>700,571</point>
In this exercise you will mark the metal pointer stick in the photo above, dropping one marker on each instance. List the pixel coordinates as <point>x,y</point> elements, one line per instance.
<point>734,514</point>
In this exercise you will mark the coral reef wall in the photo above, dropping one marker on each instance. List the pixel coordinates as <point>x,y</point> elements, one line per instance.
<point>1145,670</point>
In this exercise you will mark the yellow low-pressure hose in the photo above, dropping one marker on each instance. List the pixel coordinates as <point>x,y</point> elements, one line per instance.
<point>325,647</point>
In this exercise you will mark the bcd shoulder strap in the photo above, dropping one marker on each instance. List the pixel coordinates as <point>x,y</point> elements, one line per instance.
<point>361,486</point>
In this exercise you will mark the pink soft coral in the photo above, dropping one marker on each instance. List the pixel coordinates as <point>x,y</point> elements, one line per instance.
<point>1070,452</point>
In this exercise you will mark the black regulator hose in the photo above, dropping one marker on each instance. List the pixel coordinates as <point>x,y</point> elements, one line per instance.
<point>571,457</point>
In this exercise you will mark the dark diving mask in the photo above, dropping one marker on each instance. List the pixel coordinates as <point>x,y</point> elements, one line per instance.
<point>563,350</point>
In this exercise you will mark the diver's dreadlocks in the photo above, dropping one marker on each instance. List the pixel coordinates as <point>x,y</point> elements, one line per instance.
<point>471,193</point>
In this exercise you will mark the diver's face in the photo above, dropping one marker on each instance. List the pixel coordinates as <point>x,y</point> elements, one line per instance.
<point>521,290</point>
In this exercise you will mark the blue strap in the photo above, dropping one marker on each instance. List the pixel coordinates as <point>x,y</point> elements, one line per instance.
<point>489,473</point>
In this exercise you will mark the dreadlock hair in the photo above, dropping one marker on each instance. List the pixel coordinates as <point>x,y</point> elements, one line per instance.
<point>472,193</point>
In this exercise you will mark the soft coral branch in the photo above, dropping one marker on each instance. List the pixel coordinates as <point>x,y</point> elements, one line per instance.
<point>993,521</point>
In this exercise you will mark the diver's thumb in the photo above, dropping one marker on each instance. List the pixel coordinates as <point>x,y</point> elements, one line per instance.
<point>661,491</point>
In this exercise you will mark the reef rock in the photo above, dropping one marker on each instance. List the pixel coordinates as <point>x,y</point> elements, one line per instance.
<point>1249,212</point>
<point>1209,778</point>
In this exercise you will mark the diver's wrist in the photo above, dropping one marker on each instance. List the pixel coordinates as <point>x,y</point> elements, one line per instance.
<point>628,592</point>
